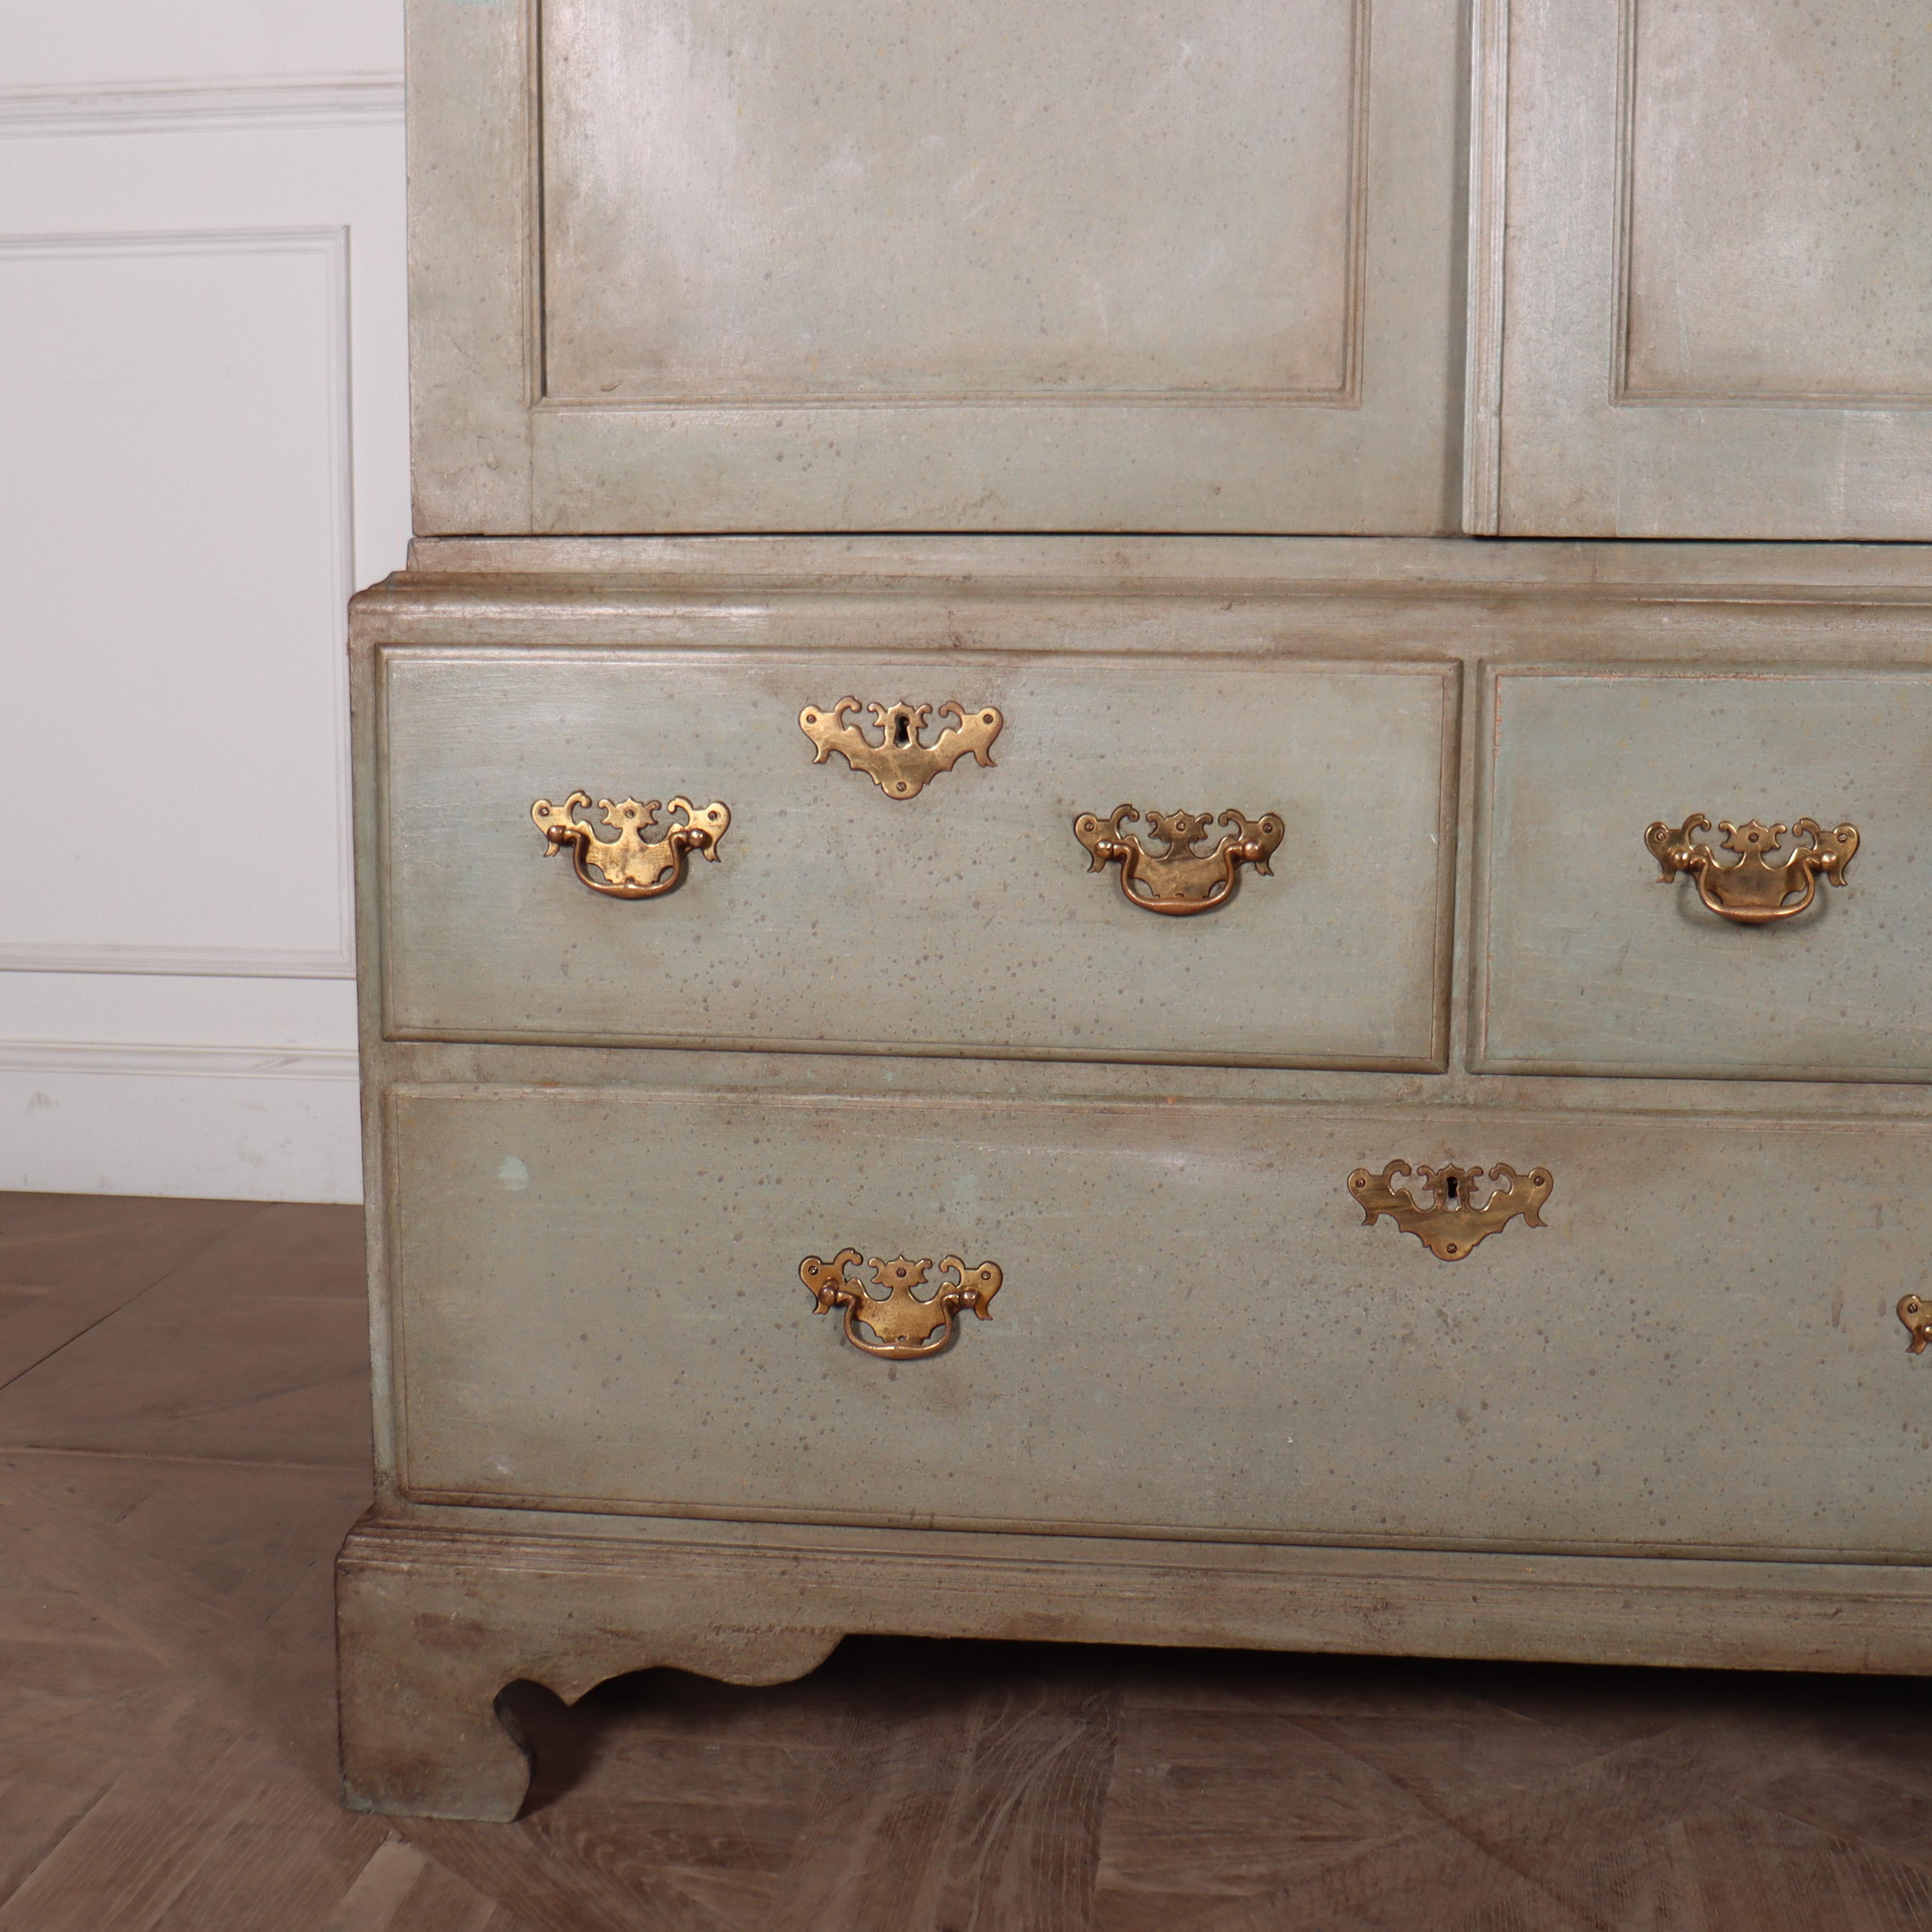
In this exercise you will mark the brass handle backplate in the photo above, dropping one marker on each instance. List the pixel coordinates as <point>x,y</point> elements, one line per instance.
<point>900,766</point>
<point>635,865</point>
<point>1754,891</point>
<point>1181,878</point>
<point>1916,1314</point>
<point>905,1324</point>
<point>1451,1226</point>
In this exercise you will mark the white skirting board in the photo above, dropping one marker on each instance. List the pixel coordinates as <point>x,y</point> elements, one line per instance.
<point>234,1122</point>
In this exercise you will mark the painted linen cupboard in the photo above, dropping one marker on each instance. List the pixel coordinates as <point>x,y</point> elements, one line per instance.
<point>1142,845</point>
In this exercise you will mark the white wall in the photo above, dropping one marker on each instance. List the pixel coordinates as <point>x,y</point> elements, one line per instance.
<point>203,450</point>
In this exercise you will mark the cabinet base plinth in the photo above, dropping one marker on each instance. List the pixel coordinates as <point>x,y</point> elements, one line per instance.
<point>435,1617</point>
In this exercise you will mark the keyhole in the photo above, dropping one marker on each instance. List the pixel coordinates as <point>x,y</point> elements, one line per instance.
<point>900,735</point>
<point>1452,1190</point>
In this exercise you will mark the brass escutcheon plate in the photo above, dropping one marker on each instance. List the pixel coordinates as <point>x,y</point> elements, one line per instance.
<point>637,864</point>
<point>1755,890</point>
<point>904,1324</point>
<point>899,765</point>
<point>1451,1226</point>
<point>1179,878</point>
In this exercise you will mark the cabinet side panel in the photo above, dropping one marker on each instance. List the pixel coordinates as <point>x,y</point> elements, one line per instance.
<point>473,309</point>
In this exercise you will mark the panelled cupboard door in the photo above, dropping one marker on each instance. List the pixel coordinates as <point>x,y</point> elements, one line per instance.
<point>1715,311</point>
<point>1011,264</point>
<point>598,1303</point>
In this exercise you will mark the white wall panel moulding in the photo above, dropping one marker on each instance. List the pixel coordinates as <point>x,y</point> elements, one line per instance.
<point>78,44</point>
<point>193,962</point>
<point>159,106</point>
<point>190,393</point>
<point>177,1061</point>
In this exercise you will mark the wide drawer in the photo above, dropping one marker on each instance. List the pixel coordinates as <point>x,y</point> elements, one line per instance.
<point>963,918</point>
<point>1590,961</point>
<point>599,1305</point>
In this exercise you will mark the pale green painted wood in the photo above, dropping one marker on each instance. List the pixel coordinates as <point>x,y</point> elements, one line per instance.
<point>627,1439</point>
<point>869,200</point>
<point>438,1609</point>
<point>1587,963</point>
<point>965,918</point>
<point>600,1305</point>
<point>1714,321</point>
<point>866,264</point>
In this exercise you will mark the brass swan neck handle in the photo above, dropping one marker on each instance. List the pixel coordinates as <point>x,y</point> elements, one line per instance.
<point>637,864</point>
<point>905,1324</point>
<point>1755,890</point>
<point>1179,878</point>
<point>1915,1311</point>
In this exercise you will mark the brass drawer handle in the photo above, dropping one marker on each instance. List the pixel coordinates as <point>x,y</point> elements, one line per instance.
<point>1452,1226</point>
<point>635,865</point>
<point>1754,891</point>
<point>900,766</point>
<point>1916,1314</point>
<point>1179,879</point>
<point>905,1324</point>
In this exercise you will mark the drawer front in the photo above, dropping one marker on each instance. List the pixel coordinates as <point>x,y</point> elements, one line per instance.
<point>962,918</point>
<point>1590,962</point>
<point>600,1305</point>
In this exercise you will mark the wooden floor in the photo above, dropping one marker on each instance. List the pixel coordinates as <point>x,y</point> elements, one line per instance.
<point>185,1434</point>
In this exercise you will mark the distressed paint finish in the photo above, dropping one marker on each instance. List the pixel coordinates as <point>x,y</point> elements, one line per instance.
<point>1587,963</point>
<point>1715,318</point>
<point>708,269</point>
<point>991,267</point>
<point>1052,188</point>
<point>1196,1332</point>
<point>1475,597</point>
<point>587,1314</point>
<point>966,919</point>
<point>435,1613</point>
<point>1780,164</point>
